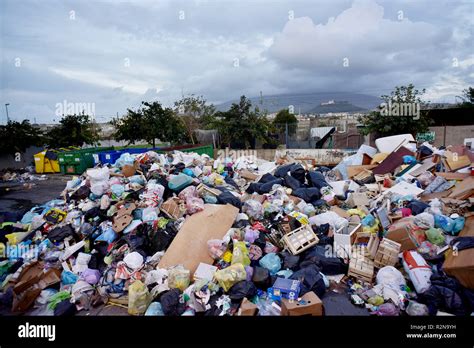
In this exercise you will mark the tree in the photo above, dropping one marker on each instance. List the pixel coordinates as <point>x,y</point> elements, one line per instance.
<point>18,136</point>
<point>149,123</point>
<point>391,117</point>
<point>467,98</point>
<point>73,130</point>
<point>241,126</point>
<point>284,119</point>
<point>195,113</point>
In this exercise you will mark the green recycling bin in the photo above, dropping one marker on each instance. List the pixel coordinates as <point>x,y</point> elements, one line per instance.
<point>76,162</point>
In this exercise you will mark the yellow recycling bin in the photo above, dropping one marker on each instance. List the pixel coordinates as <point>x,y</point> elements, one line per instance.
<point>46,162</point>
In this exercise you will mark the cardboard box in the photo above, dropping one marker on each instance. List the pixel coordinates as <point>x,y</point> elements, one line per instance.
<point>461,266</point>
<point>189,247</point>
<point>309,304</point>
<point>244,173</point>
<point>400,232</point>
<point>247,308</point>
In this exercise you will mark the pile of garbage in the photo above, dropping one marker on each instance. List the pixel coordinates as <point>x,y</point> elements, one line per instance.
<point>184,234</point>
<point>20,175</point>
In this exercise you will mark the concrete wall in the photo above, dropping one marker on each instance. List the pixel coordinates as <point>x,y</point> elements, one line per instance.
<point>26,159</point>
<point>452,135</point>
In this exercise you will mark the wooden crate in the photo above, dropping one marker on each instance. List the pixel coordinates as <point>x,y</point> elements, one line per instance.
<point>203,190</point>
<point>361,267</point>
<point>387,253</point>
<point>373,245</point>
<point>300,239</point>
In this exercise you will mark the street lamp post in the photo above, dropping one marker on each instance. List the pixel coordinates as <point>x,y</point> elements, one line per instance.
<point>6,108</point>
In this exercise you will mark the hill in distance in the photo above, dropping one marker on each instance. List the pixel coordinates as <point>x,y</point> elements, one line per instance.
<point>311,102</point>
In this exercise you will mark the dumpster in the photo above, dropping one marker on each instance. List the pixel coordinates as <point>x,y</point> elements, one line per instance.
<point>76,162</point>
<point>109,157</point>
<point>199,149</point>
<point>46,161</point>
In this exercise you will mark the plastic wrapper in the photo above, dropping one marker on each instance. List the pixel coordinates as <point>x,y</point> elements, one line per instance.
<point>424,220</point>
<point>240,254</point>
<point>435,236</point>
<point>216,248</point>
<point>227,277</point>
<point>271,262</point>
<point>425,179</point>
<point>188,192</point>
<point>179,277</point>
<point>449,225</point>
<point>417,309</point>
<point>194,205</point>
<point>154,309</point>
<point>251,235</point>
<point>117,190</point>
<point>149,214</point>
<point>179,182</point>
<point>253,209</point>
<point>386,310</point>
<point>138,298</point>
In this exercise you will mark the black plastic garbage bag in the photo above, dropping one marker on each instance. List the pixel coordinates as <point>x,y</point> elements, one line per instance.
<point>242,289</point>
<point>322,233</point>
<point>267,178</point>
<point>260,241</point>
<point>290,261</point>
<point>442,298</point>
<point>311,280</point>
<point>307,194</point>
<point>81,193</point>
<point>268,186</point>
<point>65,309</point>
<point>161,239</point>
<point>292,182</point>
<point>231,182</point>
<point>261,278</point>
<point>59,233</point>
<point>329,265</point>
<point>417,207</point>
<point>281,171</point>
<point>227,197</point>
<point>297,171</point>
<point>425,151</point>
<point>171,304</point>
<point>316,179</point>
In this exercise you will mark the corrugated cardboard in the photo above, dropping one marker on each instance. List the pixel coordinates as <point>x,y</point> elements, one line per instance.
<point>313,306</point>
<point>461,266</point>
<point>189,247</point>
<point>463,189</point>
<point>247,308</point>
<point>400,232</point>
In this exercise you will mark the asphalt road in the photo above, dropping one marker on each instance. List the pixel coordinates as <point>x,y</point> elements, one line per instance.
<point>19,197</point>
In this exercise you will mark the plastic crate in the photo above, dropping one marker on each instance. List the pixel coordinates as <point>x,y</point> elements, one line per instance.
<point>300,239</point>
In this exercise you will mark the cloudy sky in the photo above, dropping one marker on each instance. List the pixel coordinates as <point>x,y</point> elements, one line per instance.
<point>114,54</point>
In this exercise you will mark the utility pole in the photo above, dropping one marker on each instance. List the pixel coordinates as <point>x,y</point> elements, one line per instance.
<point>286,134</point>
<point>6,108</point>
